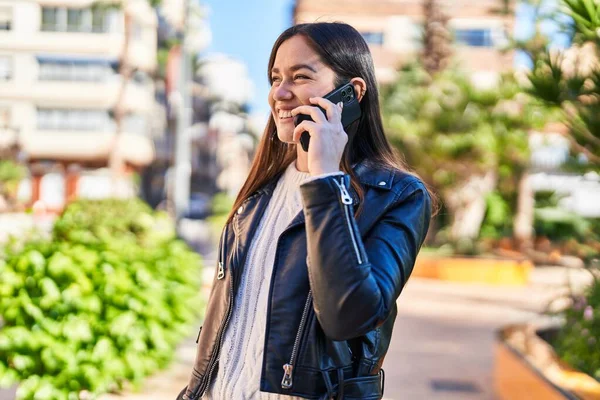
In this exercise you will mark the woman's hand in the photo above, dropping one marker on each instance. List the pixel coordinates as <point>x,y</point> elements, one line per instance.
<point>327,136</point>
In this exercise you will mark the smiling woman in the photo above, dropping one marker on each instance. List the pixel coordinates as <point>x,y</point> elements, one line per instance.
<point>304,298</point>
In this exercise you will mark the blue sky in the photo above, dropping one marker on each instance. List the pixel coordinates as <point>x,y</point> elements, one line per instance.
<point>246,30</point>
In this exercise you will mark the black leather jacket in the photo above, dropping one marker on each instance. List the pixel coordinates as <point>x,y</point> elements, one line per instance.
<point>335,281</point>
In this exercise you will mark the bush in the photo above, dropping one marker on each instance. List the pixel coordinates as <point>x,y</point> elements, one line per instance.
<point>559,224</point>
<point>578,340</point>
<point>103,303</point>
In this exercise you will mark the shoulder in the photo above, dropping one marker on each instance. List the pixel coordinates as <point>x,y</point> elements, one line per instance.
<point>401,184</point>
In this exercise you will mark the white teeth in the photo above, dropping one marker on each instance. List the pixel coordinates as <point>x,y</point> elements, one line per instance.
<point>285,114</point>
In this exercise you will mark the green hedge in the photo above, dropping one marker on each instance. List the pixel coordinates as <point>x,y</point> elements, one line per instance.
<point>103,303</point>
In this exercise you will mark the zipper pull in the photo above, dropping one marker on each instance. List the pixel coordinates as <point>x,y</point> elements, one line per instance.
<point>286,382</point>
<point>221,271</point>
<point>346,199</point>
<point>199,332</point>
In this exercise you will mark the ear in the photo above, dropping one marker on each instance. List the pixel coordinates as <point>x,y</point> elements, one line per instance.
<point>360,87</point>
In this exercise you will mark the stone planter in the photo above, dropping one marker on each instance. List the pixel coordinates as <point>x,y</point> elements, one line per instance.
<point>527,368</point>
<point>483,270</point>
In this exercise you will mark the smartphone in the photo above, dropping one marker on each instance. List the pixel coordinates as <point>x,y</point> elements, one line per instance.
<point>350,112</point>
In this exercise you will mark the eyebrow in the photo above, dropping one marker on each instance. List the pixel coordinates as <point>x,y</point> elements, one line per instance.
<point>296,67</point>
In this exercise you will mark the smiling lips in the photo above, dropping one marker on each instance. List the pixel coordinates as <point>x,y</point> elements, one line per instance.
<point>283,114</point>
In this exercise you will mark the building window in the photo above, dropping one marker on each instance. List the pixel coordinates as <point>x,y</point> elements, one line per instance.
<point>99,21</point>
<point>6,68</point>
<point>50,19</point>
<point>373,37</point>
<point>84,20</point>
<point>136,31</point>
<point>76,20</point>
<point>5,19</point>
<point>74,70</point>
<point>474,37</point>
<point>74,120</point>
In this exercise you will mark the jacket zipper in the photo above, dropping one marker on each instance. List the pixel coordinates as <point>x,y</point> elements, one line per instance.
<point>347,201</point>
<point>287,381</point>
<point>216,355</point>
<point>221,270</point>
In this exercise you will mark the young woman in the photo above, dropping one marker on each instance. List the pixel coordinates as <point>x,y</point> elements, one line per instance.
<point>319,244</point>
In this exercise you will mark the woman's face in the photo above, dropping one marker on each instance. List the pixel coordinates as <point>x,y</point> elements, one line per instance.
<point>297,75</point>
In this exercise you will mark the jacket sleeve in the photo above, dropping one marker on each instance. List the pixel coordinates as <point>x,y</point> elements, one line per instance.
<point>355,283</point>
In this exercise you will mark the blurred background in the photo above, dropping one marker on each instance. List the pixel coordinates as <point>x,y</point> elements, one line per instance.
<point>130,125</point>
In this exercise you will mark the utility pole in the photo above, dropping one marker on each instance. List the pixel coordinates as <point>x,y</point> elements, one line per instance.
<point>182,163</point>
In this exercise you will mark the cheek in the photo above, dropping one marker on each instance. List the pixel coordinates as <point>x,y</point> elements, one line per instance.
<point>305,93</point>
<point>270,99</point>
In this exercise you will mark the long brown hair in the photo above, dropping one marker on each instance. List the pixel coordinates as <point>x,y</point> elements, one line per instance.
<point>343,49</point>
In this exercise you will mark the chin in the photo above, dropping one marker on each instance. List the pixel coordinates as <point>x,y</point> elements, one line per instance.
<point>285,137</point>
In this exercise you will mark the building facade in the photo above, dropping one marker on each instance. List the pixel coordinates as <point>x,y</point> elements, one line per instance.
<point>60,84</point>
<point>393,29</point>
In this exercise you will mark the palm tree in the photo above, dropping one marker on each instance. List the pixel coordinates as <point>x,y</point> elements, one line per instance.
<point>569,81</point>
<point>437,39</point>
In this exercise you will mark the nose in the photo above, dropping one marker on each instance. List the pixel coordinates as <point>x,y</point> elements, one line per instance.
<point>282,92</point>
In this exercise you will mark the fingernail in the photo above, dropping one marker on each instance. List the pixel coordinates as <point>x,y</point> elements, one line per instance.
<point>340,104</point>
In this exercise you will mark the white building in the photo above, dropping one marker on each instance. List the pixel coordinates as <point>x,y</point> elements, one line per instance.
<point>59,81</point>
<point>230,89</point>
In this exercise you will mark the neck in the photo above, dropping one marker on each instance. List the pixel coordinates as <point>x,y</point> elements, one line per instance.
<point>301,159</point>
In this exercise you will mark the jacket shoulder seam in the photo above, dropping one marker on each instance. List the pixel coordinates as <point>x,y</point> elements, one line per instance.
<point>412,182</point>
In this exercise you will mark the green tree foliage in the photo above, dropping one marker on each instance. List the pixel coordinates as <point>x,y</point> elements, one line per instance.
<point>450,130</point>
<point>11,173</point>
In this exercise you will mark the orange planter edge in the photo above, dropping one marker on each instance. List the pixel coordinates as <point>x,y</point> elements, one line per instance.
<point>489,271</point>
<point>515,378</point>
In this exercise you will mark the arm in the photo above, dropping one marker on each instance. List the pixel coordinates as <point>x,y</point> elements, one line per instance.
<point>354,283</point>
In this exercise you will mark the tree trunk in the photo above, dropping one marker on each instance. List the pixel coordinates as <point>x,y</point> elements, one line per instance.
<point>437,39</point>
<point>467,205</point>
<point>115,160</point>
<point>523,221</point>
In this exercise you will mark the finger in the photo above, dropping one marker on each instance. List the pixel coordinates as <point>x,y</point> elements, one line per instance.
<point>314,112</point>
<point>334,111</point>
<point>307,126</point>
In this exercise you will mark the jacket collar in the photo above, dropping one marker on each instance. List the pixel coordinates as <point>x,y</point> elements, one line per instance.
<point>374,175</point>
<point>368,174</point>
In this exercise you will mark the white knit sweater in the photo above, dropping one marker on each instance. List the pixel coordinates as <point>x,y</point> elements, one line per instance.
<point>241,358</point>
